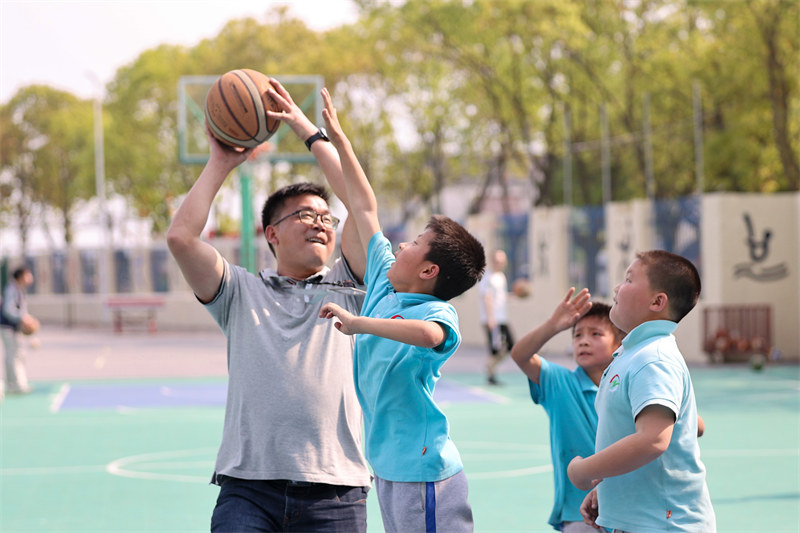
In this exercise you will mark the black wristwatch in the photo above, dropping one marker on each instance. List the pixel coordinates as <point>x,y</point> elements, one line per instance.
<point>320,135</point>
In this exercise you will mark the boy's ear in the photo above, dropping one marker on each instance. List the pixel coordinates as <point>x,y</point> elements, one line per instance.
<point>659,302</point>
<point>430,271</point>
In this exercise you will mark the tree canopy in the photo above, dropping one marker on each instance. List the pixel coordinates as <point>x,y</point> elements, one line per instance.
<point>435,93</point>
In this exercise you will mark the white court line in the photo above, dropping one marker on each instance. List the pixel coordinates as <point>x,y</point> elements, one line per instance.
<point>51,470</point>
<point>518,472</point>
<point>120,467</point>
<point>58,399</point>
<point>163,461</point>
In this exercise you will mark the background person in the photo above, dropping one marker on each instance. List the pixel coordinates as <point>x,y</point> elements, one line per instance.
<point>493,313</point>
<point>14,320</point>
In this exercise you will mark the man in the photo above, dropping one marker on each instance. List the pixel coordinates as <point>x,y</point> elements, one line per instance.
<point>290,457</point>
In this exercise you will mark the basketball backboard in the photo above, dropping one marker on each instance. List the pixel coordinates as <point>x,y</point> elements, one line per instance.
<point>285,146</point>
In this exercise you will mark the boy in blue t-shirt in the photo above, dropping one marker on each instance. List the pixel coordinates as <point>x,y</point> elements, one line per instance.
<point>406,332</point>
<point>647,468</point>
<point>568,395</point>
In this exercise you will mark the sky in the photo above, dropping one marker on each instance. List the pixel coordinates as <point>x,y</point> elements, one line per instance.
<point>78,46</point>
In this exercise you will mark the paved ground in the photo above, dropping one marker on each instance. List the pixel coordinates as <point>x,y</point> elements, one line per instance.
<point>102,354</point>
<point>131,444</point>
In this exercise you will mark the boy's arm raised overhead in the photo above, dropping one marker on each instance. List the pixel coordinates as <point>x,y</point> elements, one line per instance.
<point>360,196</point>
<point>565,315</point>
<point>654,426</point>
<point>328,159</point>
<point>200,262</point>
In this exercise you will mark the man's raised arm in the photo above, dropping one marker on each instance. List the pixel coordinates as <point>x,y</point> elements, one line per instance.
<point>200,262</point>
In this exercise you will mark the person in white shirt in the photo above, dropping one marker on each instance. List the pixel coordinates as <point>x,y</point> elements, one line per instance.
<point>493,296</point>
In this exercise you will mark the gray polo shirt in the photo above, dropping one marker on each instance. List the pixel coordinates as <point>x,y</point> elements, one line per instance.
<point>291,411</point>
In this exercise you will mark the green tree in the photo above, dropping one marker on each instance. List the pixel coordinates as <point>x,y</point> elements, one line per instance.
<point>438,92</point>
<point>141,133</point>
<point>750,77</point>
<point>47,155</point>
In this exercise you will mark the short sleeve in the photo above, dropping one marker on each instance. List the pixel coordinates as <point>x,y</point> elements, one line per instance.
<point>657,383</point>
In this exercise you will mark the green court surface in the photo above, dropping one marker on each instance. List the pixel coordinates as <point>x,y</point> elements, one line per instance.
<point>114,454</point>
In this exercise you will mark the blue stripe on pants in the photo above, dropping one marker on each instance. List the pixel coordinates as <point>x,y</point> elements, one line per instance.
<point>430,507</point>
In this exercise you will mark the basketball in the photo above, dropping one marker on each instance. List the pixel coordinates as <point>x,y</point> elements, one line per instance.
<point>521,288</point>
<point>28,325</point>
<point>236,107</point>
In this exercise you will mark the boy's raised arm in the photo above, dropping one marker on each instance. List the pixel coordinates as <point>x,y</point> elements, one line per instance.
<point>328,159</point>
<point>566,313</point>
<point>360,196</point>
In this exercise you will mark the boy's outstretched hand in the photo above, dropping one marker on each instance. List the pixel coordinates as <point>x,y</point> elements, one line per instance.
<point>332,126</point>
<point>570,309</point>
<point>289,112</point>
<point>345,324</point>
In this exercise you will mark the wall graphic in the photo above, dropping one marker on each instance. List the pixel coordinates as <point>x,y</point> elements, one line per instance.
<point>758,267</point>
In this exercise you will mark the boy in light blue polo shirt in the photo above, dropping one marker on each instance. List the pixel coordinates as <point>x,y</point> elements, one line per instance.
<point>405,333</point>
<point>568,395</point>
<point>647,466</point>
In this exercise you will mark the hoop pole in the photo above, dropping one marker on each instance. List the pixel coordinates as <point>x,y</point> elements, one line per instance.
<point>247,248</point>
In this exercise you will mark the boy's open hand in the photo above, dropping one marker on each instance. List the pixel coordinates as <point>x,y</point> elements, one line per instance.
<point>332,126</point>
<point>345,324</point>
<point>569,310</point>
<point>589,509</point>
<point>289,112</point>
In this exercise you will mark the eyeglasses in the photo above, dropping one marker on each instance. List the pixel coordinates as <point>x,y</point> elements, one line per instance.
<point>309,217</point>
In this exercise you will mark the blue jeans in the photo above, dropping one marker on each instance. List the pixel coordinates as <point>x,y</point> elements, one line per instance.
<point>280,505</point>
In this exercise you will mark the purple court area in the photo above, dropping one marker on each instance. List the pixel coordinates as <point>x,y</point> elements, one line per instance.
<point>144,396</point>
<point>166,395</point>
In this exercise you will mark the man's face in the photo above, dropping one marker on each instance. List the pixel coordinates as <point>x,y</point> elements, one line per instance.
<point>301,249</point>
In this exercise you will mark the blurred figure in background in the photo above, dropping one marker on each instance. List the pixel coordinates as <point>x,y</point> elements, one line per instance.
<point>492,299</point>
<point>14,319</point>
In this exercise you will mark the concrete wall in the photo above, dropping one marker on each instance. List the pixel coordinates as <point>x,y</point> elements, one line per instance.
<point>751,255</point>
<point>738,268</point>
<point>740,264</point>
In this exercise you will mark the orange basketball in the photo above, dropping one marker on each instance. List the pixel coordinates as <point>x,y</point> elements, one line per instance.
<point>235,108</point>
<point>521,288</point>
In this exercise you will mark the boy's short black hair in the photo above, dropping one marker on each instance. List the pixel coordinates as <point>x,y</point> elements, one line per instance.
<point>602,311</point>
<point>277,199</point>
<point>675,276</point>
<point>458,254</point>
